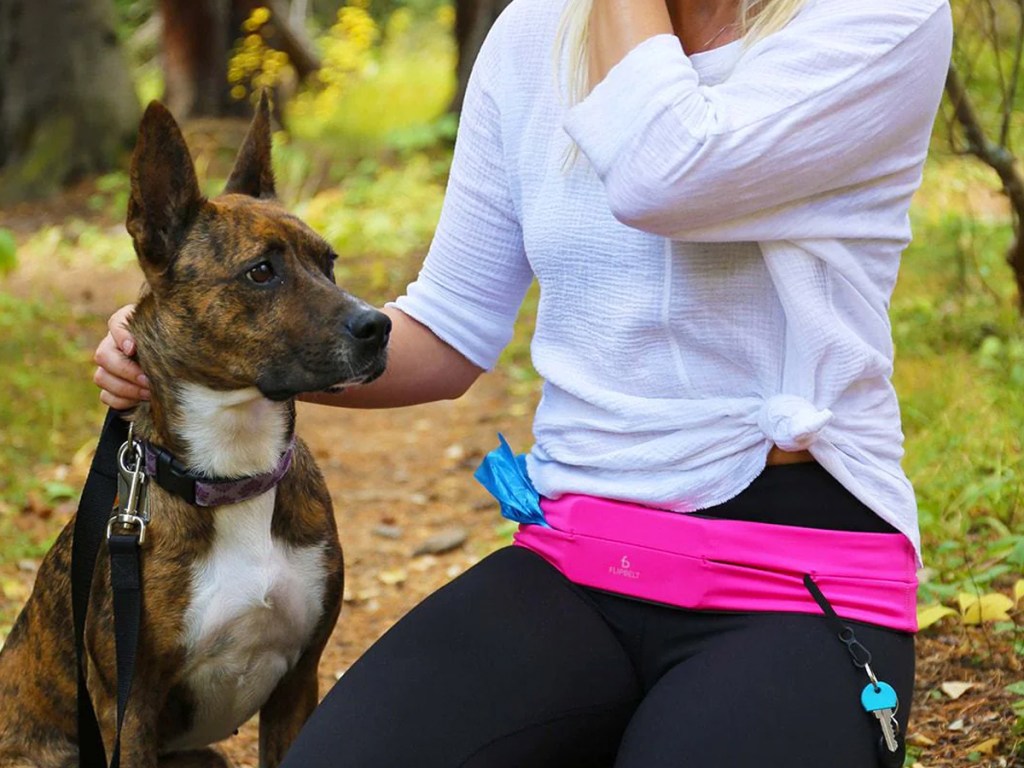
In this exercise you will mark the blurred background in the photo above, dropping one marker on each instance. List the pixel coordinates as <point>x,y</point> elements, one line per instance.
<point>366,100</point>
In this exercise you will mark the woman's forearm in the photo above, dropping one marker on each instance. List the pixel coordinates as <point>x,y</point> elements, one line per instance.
<point>618,26</point>
<point>421,369</point>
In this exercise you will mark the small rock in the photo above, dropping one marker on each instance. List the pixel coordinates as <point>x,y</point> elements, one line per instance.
<point>455,453</point>
<point>420,499</point>
<point>445,541</point>
<point>28,566</point>
<point>956,725</point>
<point>388,531</point>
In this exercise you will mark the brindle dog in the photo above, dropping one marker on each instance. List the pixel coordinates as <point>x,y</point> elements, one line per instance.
<point>241,314</point>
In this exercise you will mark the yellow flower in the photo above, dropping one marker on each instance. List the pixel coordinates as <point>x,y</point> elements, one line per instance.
<point>445,16</point>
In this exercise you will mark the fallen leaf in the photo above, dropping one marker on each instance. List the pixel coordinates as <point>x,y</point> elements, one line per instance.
<point>391,578</point>
<point>1018,590</point>
<point>920,740</point>
<point>986,747</point>
<point>955,690</point>
<point>956,725</point>
<point>424,563</point>
<point>965,600</point>
<point>990,607</point>
<point>367,594</point>
<point>930,614</point>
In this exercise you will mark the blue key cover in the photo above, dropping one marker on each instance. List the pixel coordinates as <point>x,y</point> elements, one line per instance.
<point>874,698</point>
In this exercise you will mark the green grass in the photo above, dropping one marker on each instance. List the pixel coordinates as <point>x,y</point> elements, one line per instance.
<point>48,415</point>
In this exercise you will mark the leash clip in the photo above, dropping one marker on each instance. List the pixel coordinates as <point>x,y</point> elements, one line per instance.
<point>131,491</point>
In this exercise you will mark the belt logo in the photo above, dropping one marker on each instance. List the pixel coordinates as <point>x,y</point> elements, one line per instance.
<point>624,569</point>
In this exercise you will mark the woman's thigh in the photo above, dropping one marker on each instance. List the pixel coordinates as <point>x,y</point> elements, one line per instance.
<point>776,691</point>
<point>509,665</point>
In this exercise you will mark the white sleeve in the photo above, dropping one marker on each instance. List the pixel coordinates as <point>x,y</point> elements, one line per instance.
<point>844,95</point>
<point>476,273</point>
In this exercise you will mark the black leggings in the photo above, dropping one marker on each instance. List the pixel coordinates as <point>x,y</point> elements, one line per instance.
<point>513,666</point>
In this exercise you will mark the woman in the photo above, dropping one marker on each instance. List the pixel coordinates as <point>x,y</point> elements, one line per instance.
<point>713,196</point>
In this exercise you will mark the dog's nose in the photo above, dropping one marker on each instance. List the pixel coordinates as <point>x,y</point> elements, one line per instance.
<point>369,326</point>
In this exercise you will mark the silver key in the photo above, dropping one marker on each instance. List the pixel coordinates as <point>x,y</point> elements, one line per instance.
<point>880,699</point>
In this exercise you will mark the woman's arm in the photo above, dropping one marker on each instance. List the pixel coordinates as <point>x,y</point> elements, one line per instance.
<point>421,368</point>
<point>619,26</point>
<point>842,97</point>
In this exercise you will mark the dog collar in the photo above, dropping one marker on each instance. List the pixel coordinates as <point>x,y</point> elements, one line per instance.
<point>174,477</point>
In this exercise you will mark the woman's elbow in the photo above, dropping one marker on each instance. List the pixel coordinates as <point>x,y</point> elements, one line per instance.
<point>652,206</point>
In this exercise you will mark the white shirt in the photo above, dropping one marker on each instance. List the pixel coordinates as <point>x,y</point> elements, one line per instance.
<point>715,271</point>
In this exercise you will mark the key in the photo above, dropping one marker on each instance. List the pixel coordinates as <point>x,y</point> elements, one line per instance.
<point>880,699</point>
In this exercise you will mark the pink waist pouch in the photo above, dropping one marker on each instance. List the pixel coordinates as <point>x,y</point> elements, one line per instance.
<point>726,565</point>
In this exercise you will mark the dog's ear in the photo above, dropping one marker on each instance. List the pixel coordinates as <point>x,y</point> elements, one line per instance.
<point>165,196</point>
<point>253,173</point>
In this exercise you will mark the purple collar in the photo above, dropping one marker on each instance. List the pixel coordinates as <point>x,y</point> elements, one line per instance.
<point>171,475</point>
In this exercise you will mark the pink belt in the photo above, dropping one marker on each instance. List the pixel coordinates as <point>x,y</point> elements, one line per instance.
<point>726,565</point>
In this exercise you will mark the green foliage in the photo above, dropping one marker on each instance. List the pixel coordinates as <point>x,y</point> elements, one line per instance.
<point>49,406</point>
<point>8,251</point>
<point>959,364</point>
<point>379,87</point>
<point>380,219</point>
<point>65,243</point>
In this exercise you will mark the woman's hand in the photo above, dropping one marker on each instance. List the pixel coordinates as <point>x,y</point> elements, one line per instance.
<point>120,379</point>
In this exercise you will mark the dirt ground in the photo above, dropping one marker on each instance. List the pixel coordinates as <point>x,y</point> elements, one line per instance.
<point>402,481</point>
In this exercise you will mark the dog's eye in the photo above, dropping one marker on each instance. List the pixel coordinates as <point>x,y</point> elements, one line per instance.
<point>262,273</point>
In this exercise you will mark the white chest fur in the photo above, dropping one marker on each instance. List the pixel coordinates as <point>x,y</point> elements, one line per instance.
<point>255,600</point>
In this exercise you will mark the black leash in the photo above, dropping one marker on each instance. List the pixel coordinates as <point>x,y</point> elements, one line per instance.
<point>93,523</point>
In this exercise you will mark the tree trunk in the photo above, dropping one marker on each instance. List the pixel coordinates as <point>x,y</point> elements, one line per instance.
<point>198,36</point>
<point>67,104</point>
<point>197,39</point>
<point>473,19</point>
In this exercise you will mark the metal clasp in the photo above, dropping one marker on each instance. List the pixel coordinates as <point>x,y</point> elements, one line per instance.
<point>129,522</point>
<point>131,489</point>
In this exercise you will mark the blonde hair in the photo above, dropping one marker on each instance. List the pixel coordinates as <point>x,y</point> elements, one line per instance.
<point>757,20</point>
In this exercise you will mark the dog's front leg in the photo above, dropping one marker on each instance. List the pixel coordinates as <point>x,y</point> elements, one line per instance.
<point>287,709</point>
<point>138,736</point>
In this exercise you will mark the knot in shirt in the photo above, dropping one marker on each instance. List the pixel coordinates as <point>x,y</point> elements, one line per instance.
<point>792,423</point>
